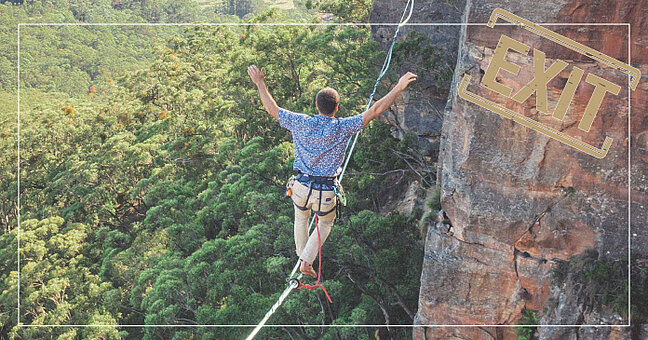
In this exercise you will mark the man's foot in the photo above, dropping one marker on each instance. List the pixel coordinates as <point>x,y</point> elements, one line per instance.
<point>307,269</point>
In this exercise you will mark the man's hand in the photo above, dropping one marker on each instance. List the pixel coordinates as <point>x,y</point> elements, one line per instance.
<point>268,102</point>
<point>405,80</point>
<point>385,102</point>
<point>256,74</point>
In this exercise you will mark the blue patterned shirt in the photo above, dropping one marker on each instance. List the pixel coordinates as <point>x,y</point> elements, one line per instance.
<point>320,141</point>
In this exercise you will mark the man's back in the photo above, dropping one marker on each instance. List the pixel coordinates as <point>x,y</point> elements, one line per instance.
<point>319,140</point>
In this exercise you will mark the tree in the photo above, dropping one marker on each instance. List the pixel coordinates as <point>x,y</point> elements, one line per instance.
<point>56,285</point>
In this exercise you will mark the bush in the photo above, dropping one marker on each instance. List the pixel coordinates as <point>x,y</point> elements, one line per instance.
<point>604,280</point>
<point>529,317</point>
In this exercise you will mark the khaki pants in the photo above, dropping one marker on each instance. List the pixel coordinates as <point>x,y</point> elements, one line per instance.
<point>307,246</point>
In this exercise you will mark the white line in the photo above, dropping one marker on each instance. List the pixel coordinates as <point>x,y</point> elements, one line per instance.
<point>629,189</point>
<point>326,326</point>
<point>323,24</point>
<point>307,24</point>
<point>18,174</point>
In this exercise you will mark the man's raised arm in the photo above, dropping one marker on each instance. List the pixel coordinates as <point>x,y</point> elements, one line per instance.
<point>268,102</point>
<point>385,102</point>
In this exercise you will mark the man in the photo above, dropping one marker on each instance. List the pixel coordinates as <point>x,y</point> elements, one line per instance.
<point>319,143</point>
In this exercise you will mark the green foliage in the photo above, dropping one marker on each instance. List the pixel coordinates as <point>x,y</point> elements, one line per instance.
<point>159,200</point>
<point>639,293</point>
<point>433,205</point>
<point>343,11</point>
<point>382,166</point>
<point>529,317</point>
<point>417,50</point>
<point>157,11</point>
<point>57,285</point>
<point>604,282</point>
<point>70,59</point>
<point>434,202</point>
<point>569,191</point>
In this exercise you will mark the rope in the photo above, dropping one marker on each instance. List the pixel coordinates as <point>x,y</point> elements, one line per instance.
<point>319,268</point>
<point>294,282</point>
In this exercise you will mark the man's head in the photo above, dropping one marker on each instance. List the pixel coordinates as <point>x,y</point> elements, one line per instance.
<point>327,101</point>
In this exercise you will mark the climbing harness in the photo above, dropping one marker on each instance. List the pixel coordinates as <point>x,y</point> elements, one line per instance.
<point>289,185</point>
<point>318,183</point>
<point>294,282</point>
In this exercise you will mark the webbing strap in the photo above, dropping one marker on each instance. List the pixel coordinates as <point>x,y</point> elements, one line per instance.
<point>319,267</point>
<point>310,190</point>
<point>319,210</point>
<point>319,213</point>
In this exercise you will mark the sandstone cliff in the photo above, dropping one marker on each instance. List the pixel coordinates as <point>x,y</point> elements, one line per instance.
<point>520,206</point>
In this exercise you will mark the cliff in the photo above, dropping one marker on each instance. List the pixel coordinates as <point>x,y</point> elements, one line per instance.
<point>525,215</point>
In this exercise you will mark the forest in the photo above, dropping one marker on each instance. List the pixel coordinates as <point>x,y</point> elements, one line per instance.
<point>152,180</point>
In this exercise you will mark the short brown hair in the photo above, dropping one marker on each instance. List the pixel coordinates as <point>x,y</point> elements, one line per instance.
<point>327,99</point>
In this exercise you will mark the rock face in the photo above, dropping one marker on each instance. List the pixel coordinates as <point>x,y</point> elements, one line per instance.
<point>519,202</point>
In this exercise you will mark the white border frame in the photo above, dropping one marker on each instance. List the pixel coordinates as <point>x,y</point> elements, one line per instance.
<point>338,24</point>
